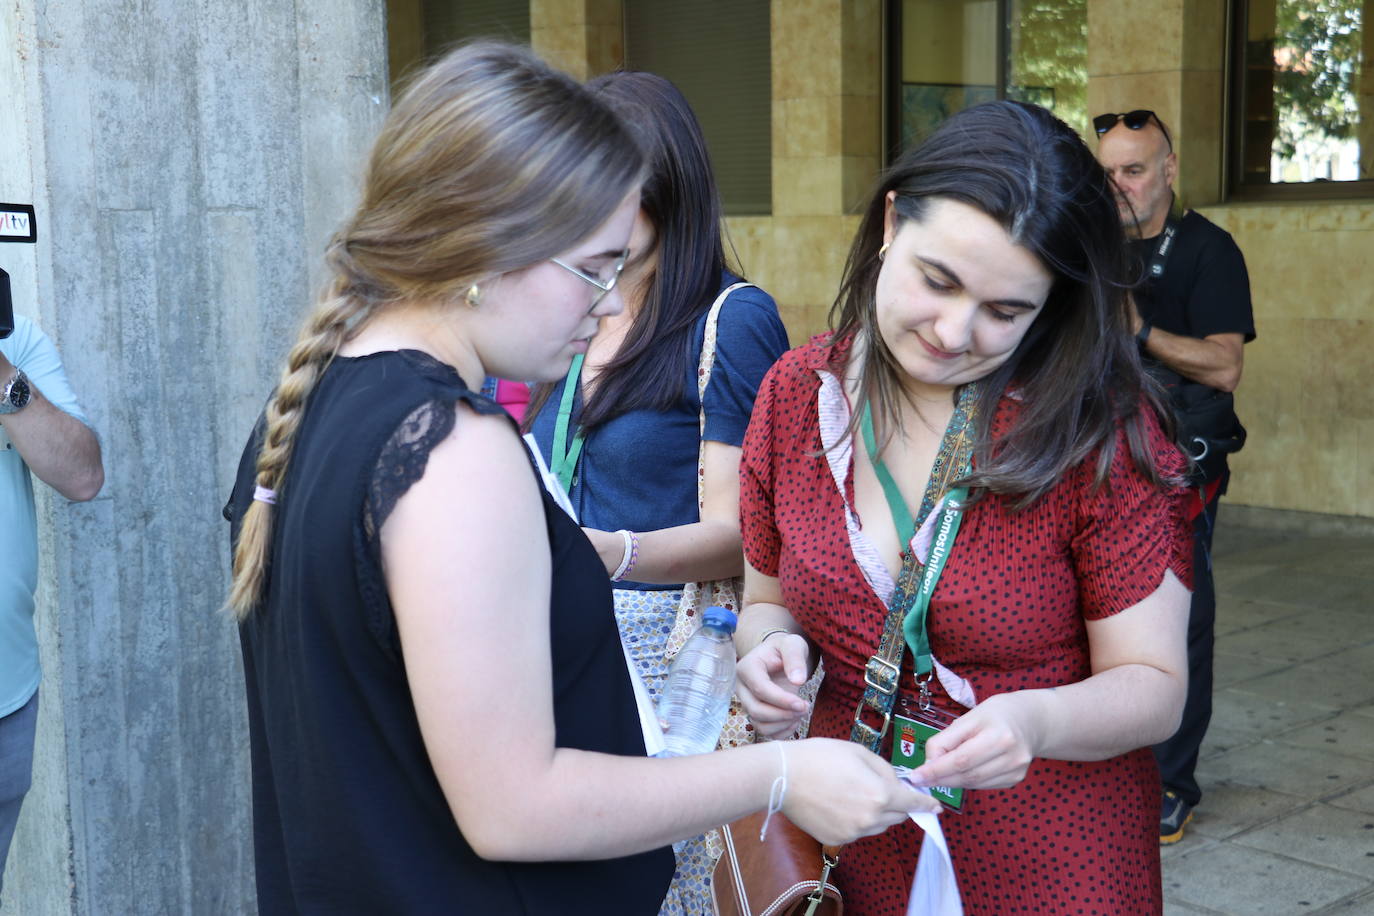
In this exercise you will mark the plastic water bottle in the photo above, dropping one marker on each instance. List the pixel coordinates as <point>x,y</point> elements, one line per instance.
<point>696,696</point>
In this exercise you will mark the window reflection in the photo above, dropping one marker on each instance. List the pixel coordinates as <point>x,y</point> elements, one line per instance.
<point>1048,57</point>
<point>1306,82</point>
<point>948,61</point>
<point>951,59</point>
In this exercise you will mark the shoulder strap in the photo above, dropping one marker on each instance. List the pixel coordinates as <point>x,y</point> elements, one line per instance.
<point>1160,259</point>
<point>708,362</point>
<point>699,595</point>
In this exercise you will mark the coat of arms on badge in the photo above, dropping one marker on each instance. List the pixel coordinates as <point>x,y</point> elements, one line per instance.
<point>908,739</point>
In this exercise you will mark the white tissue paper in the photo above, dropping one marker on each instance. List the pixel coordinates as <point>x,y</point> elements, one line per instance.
<point>935,891</point>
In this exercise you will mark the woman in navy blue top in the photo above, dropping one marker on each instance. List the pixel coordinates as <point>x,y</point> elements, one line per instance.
<point>623,429</point>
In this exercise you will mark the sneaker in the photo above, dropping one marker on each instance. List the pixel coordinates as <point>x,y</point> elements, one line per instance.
<point>1174,815</point>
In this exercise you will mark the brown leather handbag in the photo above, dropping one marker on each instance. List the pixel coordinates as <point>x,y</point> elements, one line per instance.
<point>785,875</point>
<point>788,874</point>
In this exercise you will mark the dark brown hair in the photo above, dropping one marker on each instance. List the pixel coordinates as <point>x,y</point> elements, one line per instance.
<point>1077,370</point>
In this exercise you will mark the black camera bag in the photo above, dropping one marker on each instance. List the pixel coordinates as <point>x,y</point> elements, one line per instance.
<point>1208,428</point>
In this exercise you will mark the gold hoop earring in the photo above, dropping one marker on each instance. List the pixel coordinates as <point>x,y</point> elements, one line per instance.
<point>882,252</point>
<point>474,296</point>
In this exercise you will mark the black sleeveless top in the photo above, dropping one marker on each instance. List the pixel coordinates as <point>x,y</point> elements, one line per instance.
<point>348,816</point>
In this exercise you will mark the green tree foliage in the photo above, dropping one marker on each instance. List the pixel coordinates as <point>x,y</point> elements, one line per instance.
<point>1317,63</point>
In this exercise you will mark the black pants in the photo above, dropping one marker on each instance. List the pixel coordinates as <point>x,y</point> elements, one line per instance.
<point>1177,757</point>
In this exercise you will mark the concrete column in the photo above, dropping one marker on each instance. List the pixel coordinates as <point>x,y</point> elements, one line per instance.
<point>1166,56</point>
<point>188,161</point>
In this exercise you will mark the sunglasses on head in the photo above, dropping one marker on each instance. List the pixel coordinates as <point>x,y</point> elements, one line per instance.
<point>1132,119</point>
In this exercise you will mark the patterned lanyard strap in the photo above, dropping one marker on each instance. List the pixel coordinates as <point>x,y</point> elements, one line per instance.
<point>915,584</point>
<point>564,455</point>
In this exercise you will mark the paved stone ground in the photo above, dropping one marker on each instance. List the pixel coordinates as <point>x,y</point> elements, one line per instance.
<point>1286,823</point>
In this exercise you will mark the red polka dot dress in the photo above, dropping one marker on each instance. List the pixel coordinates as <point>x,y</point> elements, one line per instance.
<point>1008,614</point>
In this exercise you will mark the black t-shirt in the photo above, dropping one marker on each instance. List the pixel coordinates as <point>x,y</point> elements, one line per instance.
<point>1205,288</point>
<point>348,815</point>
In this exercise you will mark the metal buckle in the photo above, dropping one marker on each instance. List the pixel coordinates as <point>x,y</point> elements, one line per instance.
<point>817,897</point>
<point>870,735</point>
<point>924,684</point>
<point>882,668</point>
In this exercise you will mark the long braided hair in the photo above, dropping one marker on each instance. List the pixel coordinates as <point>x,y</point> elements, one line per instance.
<point>489,162</point>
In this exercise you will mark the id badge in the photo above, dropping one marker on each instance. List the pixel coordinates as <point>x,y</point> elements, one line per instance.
<point>911,729</point>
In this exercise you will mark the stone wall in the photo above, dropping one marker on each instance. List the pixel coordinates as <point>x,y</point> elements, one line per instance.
<point>187,160</point>
<point>1305,394</point>
<point>827,149</point>
<point>827,146</point>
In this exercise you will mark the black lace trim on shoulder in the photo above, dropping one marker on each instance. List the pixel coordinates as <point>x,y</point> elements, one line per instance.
<point>405,455</point>
<point>400,463</point>
<point>403,459</point>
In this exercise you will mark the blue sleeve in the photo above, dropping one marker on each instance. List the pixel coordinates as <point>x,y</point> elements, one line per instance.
<point>31,350</point>
<point>749,338</point>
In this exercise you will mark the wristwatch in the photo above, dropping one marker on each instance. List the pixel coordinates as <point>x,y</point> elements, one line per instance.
<point>1144,333</point>
<point>17,393</point>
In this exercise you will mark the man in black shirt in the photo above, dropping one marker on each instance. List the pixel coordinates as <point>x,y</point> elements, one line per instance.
<point>1193,318</point>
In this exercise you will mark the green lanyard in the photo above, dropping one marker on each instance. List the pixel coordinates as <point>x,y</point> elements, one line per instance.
<point>565,456</point>
<point>914,624</point>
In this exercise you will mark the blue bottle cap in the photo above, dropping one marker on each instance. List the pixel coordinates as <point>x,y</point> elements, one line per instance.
<point>717,616</point>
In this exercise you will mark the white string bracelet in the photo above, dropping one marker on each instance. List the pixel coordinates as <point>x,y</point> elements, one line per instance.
<point>776,793</point>
<point>629,558</point>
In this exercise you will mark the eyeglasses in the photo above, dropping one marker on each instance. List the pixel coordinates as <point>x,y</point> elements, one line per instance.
<point>1133,119</point>
<point>603,289</point>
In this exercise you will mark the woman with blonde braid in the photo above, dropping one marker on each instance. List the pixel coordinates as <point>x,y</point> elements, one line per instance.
<point>441,715</point>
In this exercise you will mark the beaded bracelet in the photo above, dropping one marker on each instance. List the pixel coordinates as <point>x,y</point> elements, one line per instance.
<point>630,557</point>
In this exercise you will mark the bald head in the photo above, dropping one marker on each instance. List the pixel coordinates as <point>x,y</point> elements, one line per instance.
<point>1143,167</point>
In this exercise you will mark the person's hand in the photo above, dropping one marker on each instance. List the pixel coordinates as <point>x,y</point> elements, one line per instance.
<point>767,681</point>
<point>989,747</point>
<point>610,547</point>
<point>838,791</point>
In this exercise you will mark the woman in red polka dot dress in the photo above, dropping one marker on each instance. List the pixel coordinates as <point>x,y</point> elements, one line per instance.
<point>981,339</point>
